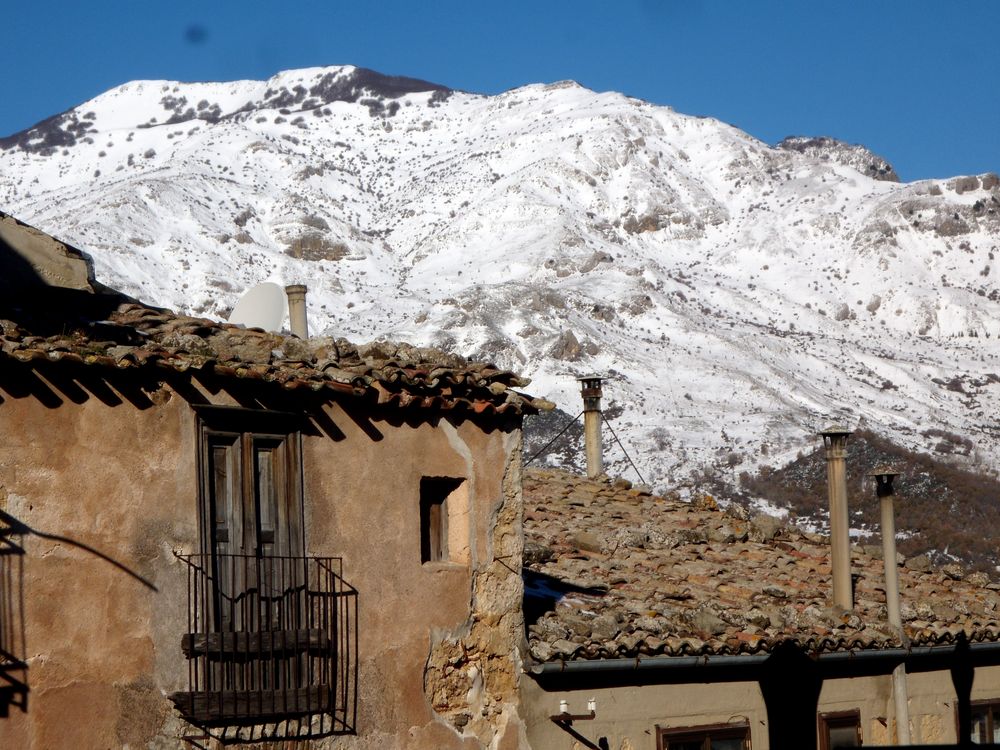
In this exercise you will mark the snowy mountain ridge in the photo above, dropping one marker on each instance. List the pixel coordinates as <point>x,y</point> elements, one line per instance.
<point>738,296</point>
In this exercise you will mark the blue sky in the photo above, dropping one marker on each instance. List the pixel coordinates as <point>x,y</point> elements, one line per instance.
<point>916,81</point>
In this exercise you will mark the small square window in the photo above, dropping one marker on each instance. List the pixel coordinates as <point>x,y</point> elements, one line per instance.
<point>840,729</point>
<point>442,512</point>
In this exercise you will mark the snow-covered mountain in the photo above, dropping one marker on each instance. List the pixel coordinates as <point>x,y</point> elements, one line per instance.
<point>738,296</point>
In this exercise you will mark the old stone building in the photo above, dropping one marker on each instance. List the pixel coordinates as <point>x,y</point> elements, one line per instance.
<point>211,533</point>
<point>694,627</point>
<point>215,534</point>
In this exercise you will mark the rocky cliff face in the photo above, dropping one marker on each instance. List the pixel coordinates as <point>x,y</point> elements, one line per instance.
<point>737,296</point>
<point>838,152</point>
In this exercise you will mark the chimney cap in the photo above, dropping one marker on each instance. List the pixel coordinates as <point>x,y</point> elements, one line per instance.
<point>884,476</point>
<point>884,470</point>
<point>582,378</point>
<point>835,430</point>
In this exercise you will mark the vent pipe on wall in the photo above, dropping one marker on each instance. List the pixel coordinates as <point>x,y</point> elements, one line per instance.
<point>297,320</point>
<point>835,440</point>
<point>590,389</point>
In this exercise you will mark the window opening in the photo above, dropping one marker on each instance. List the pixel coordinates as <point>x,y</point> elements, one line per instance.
<point>840,729</point>
<point>439,501</point>
<point>714,737</point>
<point>985,722</point>
<point>271,640</point>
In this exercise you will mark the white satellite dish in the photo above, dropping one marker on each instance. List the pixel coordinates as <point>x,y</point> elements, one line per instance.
<point>263,306</point>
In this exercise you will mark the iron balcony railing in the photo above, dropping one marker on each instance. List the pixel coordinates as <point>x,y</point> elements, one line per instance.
<point>270,640</point>
<point>13,667</point>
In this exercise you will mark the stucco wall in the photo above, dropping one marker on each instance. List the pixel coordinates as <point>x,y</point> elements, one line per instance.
<point>627,716</point>
<point>107,492</point>
<point>102,483</point>
<point>372,519</point>
<point>32,258</point>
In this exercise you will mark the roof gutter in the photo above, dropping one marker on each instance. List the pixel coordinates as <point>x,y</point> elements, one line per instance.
<point>889,655</point>
<point>593,666</point>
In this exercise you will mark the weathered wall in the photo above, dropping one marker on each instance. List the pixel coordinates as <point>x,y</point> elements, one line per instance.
<point>102,492</point>
<point>30,257</point>
<point>932,705</point>
<point>102,495</point>
<point>627,716</point>
<point>453,676</point>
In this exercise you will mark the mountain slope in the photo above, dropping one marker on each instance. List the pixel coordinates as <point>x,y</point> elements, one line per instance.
<point>738,296</point>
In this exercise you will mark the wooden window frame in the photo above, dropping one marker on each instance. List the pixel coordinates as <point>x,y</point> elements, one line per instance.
<point>705,732</point>
<point>250,426</point>
<point>989,703</point>
<point>837,719</point>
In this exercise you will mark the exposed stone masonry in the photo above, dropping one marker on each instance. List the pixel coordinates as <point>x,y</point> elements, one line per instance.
<point>472,677</point>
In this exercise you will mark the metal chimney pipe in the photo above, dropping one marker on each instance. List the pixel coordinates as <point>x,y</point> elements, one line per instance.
<point>590,389</point>
<point>884,477</point>
<point>835,440</point>
<point>297,320</point>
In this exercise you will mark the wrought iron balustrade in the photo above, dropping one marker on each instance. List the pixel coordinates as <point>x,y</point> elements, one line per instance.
<point>13,649</point>
<point>270,640</point>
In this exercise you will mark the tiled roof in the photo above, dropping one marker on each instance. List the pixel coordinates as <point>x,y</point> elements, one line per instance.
<point>136,336</point>
<point>614,571</point>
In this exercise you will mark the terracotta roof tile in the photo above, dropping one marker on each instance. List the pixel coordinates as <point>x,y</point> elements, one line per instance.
<point>617,572</point>
<point>392,373</point>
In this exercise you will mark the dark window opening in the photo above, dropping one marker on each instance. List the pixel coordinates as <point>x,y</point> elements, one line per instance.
<point>715,737</point>
<point>840,729</point>
<point>434,511</point>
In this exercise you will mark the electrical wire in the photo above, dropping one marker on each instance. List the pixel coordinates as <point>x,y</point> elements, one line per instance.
<point>561,433</point>
<point>615,436</point>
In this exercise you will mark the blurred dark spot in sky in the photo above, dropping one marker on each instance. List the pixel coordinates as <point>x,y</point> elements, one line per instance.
<point>195,33</point>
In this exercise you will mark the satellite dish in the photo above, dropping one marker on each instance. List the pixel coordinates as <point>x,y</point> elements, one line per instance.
<point>263,306</point>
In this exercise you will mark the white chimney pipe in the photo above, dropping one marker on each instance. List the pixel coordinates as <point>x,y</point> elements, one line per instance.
<point>835,439</point>
<point>590,389</point>
<point>297,320</point>
<point>884,477</point>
